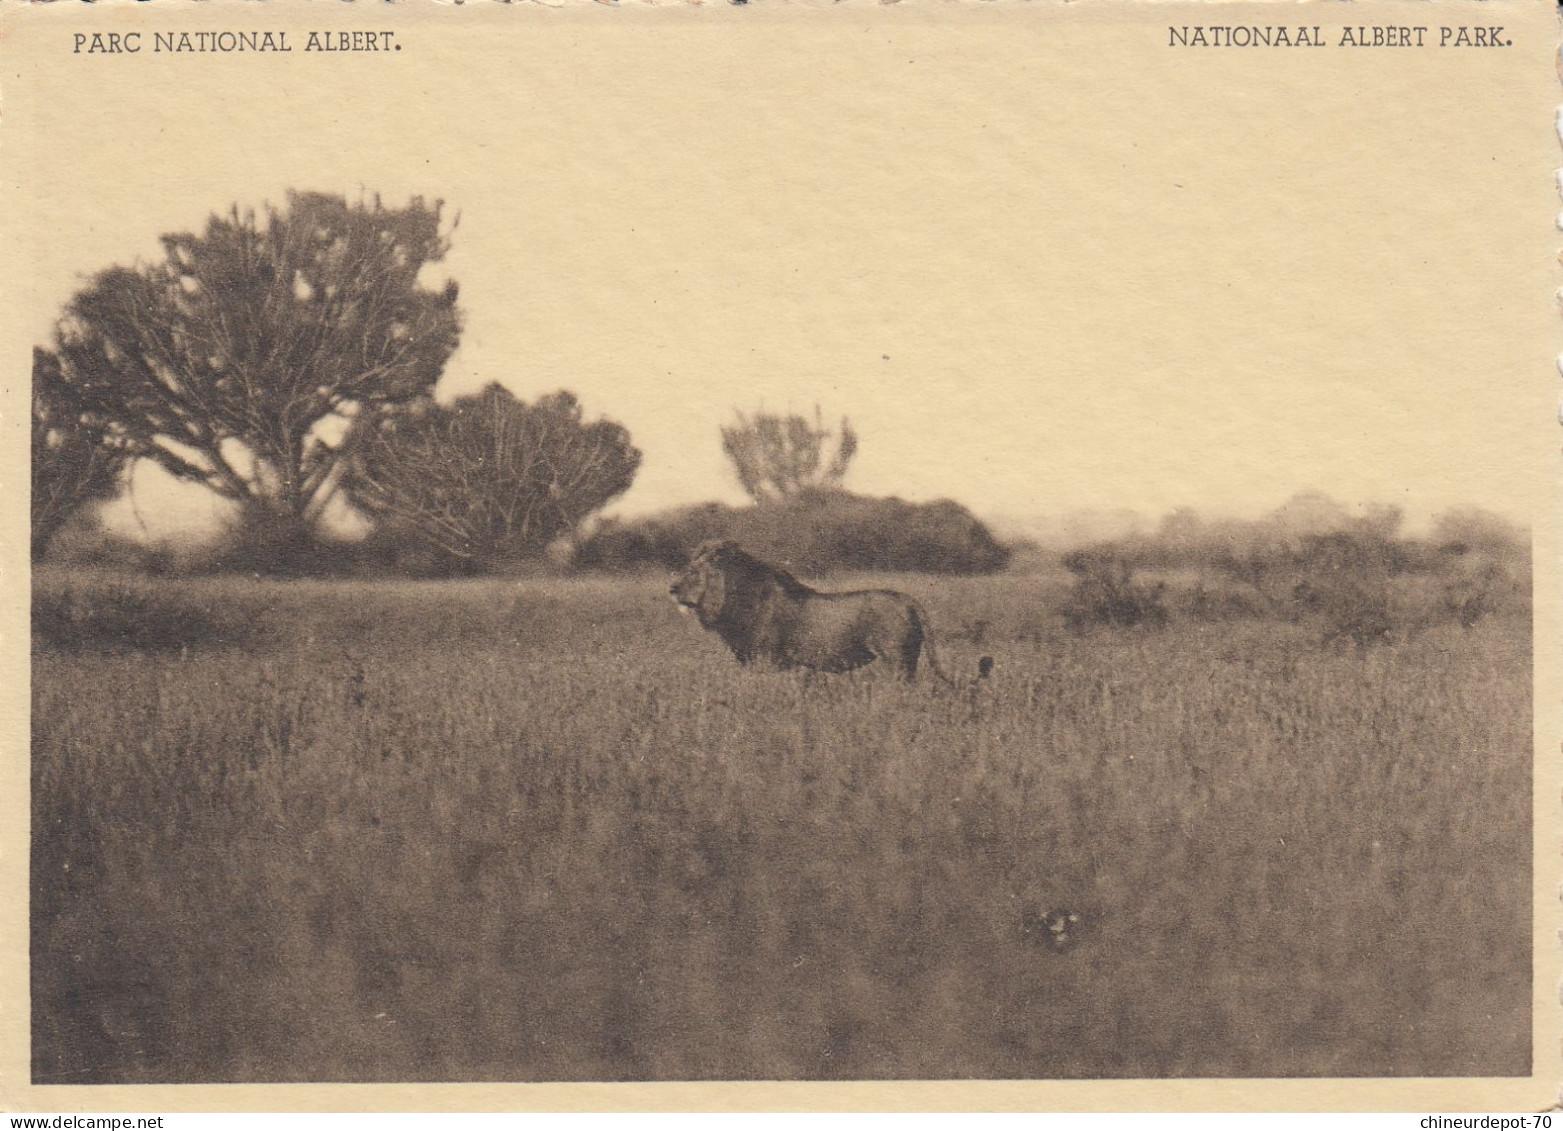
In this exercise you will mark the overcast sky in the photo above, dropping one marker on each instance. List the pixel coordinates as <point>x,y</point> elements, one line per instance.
<point>1039,276</point>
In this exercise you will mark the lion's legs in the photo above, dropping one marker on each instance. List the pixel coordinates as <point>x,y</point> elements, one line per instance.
<point>904,659</point>
<point>899,651</point>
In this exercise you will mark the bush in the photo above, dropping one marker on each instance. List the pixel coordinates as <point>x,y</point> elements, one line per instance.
<point>1211,601</point>
<point>663,542</point>
<point>1105,593</point>
<point>1359,610</point>
<point>819,532</point>
<point>1477,593</point>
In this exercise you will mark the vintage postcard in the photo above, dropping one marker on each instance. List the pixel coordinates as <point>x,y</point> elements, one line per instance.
<point>780,555</point>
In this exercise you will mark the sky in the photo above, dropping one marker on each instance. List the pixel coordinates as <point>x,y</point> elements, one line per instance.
<point>1039,275</point>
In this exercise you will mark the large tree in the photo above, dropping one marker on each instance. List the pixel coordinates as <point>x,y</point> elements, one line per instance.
<point>490,480</point>
<point>782,457</point>
<point>73,464</point>
<point>253,356</point>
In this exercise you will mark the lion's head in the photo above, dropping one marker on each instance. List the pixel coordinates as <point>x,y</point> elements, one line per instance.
<point>702,586</point>
<point>723,580</point>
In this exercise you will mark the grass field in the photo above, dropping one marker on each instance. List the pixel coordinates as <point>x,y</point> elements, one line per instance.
<point>549,830</point>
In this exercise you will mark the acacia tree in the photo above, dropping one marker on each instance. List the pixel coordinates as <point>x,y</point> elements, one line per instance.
<point>73,464</point>
<point>782,457</point>
<point>254,356</point>
<point>491,479</point>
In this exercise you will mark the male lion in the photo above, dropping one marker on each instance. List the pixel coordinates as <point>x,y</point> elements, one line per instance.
<point>764,613</point>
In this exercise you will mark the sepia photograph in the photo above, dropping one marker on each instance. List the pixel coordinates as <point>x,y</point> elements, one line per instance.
<point>783,542</point>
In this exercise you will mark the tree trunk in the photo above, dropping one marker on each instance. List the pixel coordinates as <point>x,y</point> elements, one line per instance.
<point>273,540</point>
<point>44,529</point>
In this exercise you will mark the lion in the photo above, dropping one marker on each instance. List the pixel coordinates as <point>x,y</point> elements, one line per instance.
<point>764,613</point>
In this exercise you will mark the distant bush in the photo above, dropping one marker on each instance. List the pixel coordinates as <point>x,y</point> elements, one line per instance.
<point>1352,577</point>
<point>1105,593</point>
<point>1370,591</point>
<point>819,532</point>
<point>1473,594</point>
<point>1212,601</point>
<point>1360,610</point>
<point>128,618</point>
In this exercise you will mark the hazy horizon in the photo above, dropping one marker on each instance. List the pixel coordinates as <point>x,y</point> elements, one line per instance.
<point>174,512</point>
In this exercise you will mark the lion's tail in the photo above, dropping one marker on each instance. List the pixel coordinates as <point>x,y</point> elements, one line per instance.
<point>984,665</point>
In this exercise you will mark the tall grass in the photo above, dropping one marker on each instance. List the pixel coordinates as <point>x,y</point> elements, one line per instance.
<point>550,831</point>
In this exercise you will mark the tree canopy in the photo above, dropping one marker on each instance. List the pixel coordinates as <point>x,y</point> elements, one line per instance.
<point>254,355</point>
<point>490,479</point>
<point>72,464</point>
<point>783,457</point>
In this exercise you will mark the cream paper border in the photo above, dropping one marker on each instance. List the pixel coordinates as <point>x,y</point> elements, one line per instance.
<point>37,164</point>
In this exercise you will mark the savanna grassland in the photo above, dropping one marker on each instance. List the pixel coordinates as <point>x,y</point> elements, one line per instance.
<point>549,830</point>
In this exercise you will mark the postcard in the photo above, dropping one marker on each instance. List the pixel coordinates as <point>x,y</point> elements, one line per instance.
<point>781,555</point>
